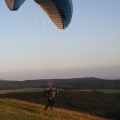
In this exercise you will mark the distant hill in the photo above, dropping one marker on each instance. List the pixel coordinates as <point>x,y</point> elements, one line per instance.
<point>74,83</point>
<point>20,110</point>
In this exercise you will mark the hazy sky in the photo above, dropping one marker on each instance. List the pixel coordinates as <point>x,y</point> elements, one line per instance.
<point>32,47</point>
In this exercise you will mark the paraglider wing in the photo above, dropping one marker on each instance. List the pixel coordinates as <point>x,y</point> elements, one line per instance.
<point>59,11</point>
<point>14,4</point>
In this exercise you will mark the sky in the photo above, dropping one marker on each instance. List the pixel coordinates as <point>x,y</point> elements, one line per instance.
<point>32,47</point>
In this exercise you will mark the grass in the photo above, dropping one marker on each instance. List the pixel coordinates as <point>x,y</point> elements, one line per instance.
<point>84,90</point>
<point>21,90</point>
<point>24,90</point>
<point>41,89</point>
<point>109,90</point>
<point>11,109</point>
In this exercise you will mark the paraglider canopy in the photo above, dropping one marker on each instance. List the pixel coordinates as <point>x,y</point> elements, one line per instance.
<point>59,11</point>
<point>14,4</point>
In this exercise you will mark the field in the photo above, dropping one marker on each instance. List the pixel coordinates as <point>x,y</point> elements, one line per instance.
<point>43,89</point>
<point>92,102</point>
<point>11,109</point>
<point>21,90</point>
<point>109,90</point>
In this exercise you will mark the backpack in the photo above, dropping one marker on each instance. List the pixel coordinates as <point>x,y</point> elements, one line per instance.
<point>50,94</point>
<point>47,94</point>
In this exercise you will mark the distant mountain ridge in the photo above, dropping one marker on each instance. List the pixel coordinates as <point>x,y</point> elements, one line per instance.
<point>72,83</point>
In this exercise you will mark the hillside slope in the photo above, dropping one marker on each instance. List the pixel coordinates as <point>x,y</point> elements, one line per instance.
<point>19,110</point>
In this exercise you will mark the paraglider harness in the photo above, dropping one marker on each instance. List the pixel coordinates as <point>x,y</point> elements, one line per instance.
<point>50,94</point>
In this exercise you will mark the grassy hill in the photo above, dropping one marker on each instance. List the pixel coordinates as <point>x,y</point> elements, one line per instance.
<point>11,109</point>
<point>102,104</point>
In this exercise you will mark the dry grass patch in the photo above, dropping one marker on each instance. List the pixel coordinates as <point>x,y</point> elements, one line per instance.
<point>21,110</point>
